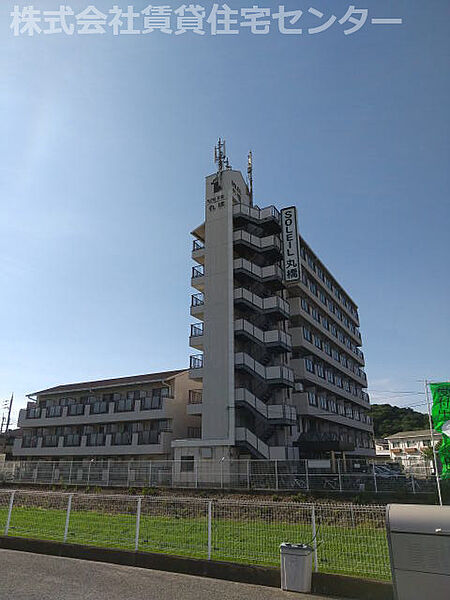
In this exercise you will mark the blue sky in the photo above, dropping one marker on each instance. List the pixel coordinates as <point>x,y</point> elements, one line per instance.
<point>104,144</point>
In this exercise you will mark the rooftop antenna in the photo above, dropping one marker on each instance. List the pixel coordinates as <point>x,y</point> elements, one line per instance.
<point>250,175</point>
<point>220,155</point>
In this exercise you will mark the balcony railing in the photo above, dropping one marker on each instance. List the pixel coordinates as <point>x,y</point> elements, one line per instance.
<point>198,271</point>
<point>99,408</point>
<point>53,411</point>
<point>75,409</point>
<point>195,397</point>
<point>197,329</point>
<point>29,442</point>
<point>196,361</point>
<point>121,439</point>
<point>50,441</point>
<point>197,245</point>
<point>95,439</point>
<point>72,440</point>
<point>124,405</point>
<point>33,413</point>
<point>151,403</point>
<point>148,437</point>
<point>197,300</point>
<point>194,432</point>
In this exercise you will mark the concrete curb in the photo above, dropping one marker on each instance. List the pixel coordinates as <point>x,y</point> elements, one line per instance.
<point>323,583</point>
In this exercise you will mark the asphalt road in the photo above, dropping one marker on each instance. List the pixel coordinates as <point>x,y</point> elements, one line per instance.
<point>26,576</point>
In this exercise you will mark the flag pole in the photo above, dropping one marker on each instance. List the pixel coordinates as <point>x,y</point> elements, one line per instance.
<point>430,421</point>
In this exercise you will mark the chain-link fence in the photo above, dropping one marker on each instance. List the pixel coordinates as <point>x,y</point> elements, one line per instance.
<point>295,475</point>
<point>347,539</point>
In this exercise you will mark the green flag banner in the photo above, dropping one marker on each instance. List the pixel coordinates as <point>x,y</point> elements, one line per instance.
<point>441,421</point>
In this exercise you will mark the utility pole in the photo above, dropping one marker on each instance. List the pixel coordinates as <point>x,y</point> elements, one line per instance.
<point>8,420</point>
<point>430,421</point>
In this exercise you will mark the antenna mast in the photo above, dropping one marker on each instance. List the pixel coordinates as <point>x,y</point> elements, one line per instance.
<point>250,175</point>
<point>9,413</point>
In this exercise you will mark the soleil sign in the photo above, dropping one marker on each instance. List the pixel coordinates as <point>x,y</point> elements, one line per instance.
<point>291,250</point>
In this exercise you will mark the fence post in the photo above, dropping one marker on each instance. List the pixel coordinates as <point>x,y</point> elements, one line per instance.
<point>69,508</point>
<point>209,528</point>
<point>339,474</point>
<point>314,533</point>
<point>375,484</point>
<point>276,474</point>
<point>248,474</point>
<point>8,519</point>
<point>413,483</point>
<point>307,474</point>
<point>138,523</point>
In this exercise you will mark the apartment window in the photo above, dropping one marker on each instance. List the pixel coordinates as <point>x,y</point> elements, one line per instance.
<point>332,405</point>
<point>349,411</point>
<point>313,287</point>
<point>325,323</point>
<point>315,314</point>
<point>307,334</point>
<point>320,273</point>
<point>151,403</point>
<point>338,380</point>
<point>356,415</point>
<point>323,402</point>
<point>327,348</point>
<point>346,385</point>
<point>320,371</point>
<point>305,305</point>
<point>330,376</point>
<point>341,409</point>
<point>133,395</point>
<point>317,342</point>
<point>54,411</point>
<point>312,400</point>
<point>75,409</point>
<point>335,354</point>
<point>194,432</point>
<point>334,330</point>
<point>322,297</point>
<point>309,365</point>
<point>124,405</point>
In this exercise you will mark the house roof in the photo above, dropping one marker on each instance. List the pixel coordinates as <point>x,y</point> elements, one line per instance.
<point>408,434</point>
<point>107,383</point>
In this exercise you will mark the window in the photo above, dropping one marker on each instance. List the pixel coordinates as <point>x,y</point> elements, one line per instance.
<point>307,334</point>
<point>315,314</point>
<point>349,411</point>
<point>325,323</point>
<point>312,400</point>
<point>320,371</point>
<point>309,365</point>
<point>330,376</point>
<point>341,409</point>
<point>317,342</point>
<point>323,402</point>
<point>322,297</point>
<point>338,380</point>
<point>187,464</point>
<point>327,348</point>
<point>305,305</point>
<point>332,405</point>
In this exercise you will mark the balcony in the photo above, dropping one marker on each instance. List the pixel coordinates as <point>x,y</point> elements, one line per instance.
<point>275,338</point>
<point>95,439</point>
<point>29,442</point>
<point>72,440</point>
<point>277,374</point>
<point>274,305</point>
<point>121,439</point>
<point>196,336</point>
<point>74,410</point>
<point>195,402</point>
<point>269,217</point>
<point>270,244</point>
<point>275,413</point>
<point>198,278</point>
<point>198,251</point>
<point>196,366</point>
<point>271,275</point>
<point>124,405</point>
<point>197,306</point>
<point>50,441</point>
<point>148,437</point>
<point>53,411</point>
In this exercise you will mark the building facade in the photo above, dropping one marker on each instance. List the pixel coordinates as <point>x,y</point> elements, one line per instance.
<point>408,448</point>
<point>277,338</point>
<point>128,417</point>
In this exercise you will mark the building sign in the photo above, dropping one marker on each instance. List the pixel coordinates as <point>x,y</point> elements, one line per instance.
<point>291,249</point>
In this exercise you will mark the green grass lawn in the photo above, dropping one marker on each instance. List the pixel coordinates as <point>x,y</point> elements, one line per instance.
<point>359,551</point>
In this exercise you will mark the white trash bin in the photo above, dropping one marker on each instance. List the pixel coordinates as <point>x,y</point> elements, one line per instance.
<point>296,567</point>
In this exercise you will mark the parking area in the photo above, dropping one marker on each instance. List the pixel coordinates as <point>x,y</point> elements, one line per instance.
<point>27,576</point>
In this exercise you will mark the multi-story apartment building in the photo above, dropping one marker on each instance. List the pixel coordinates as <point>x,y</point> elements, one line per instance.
<point>279,362</point>
<point>131,417</point>
<point>409,449</point>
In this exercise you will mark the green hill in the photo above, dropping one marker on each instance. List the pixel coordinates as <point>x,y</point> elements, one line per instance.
<point>389,419</point>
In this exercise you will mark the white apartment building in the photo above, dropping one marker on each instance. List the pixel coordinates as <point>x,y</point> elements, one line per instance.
<point>277,338</point>
<point>406,448</point>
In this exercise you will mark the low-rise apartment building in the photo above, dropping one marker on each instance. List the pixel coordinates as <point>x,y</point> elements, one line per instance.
<point>407,447</point>
<point>131,417</point>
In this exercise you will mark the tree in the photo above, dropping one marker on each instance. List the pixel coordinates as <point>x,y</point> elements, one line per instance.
<point>388,420</point>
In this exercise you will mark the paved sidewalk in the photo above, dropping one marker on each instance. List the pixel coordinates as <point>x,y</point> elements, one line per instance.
<point>27,576</point>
